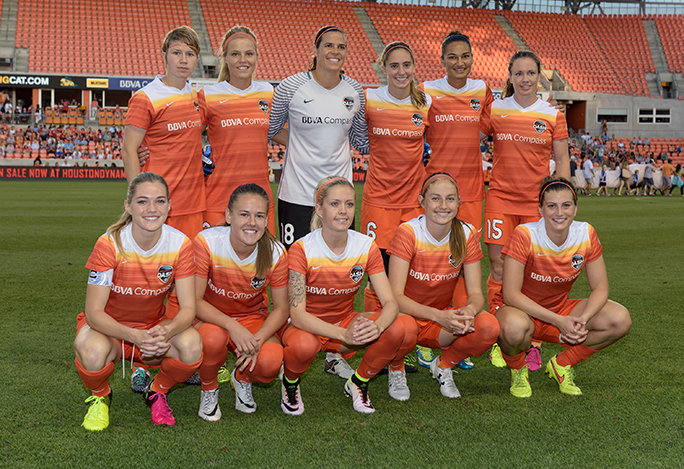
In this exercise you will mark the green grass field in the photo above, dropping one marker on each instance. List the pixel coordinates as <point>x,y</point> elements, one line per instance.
<point>631,413</point>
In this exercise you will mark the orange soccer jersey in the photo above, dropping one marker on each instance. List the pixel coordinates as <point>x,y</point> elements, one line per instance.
<point>232,285</point>
<point>173,135</point>
<point>454,133</point>
<point>395,134</point>
<point>432,275</point>
<point>332,280</point>
<point>141,279</point>
<point>523,140</point>
<point>237,126</point>
<point>551,270</point>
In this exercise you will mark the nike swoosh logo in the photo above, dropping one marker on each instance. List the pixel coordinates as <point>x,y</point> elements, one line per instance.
<point>213,412</point>
<point>219,266</point>
<point>307,101</point>
<point>540,254</point>
<point>505,115</point>
<point>315,267</point>
<point>422,250</point>
<point>123,262</point>
<point>162,386</point>
<point>169,104</point>
<point>560,379</point>
<point>440,97</point>
<point>380,108</point>
<point>223,101</point>
<point>289,407</point>
<point>249,406</point>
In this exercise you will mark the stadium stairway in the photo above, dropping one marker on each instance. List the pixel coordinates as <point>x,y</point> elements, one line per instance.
<point>662,72</point>
<point>208,62</point>
<point>376,41</point>
<point>8,30</point>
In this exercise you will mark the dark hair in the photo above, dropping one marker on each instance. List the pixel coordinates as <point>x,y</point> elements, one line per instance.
<point>455,36</point>
<point>457,239</point>
<point>317,42</point>
<point>521,54</point>
<point>265,244</point>
<point>556,184</point>
<point>418,98</point>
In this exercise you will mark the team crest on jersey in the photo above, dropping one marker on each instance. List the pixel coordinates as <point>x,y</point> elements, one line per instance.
<point>257,282</point>
<point>348,102</point>
<point>196,105</point>
<point>451,261</point>
<point>539,126</point>
<point>356,273</point>
<point>164,273</point>
<point>263,105</point>
<point>475,104</point>
<point>577,261</point>
<point>417,119</point>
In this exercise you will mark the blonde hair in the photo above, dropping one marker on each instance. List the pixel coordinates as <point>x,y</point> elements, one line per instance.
<point>184,34</point>
<point>457,238</point>
<point>317,42</point>
<point>322,191</point>
<point>125,219</point>
<point>265,244</point>
<point>418,98</point>
<point>224,72</point>
<point>521,54</point>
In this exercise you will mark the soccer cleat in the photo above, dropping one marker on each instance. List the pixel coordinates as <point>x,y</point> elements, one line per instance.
<point>445,377</point>
<point>291,399</point>
<point>466,364</point>
<point>209,407</point>
<point>398,387</point>
<point>496,357</point>
<point>224,375</point>
<point>533,358</point>
<point>336,365</point>
<point>161,412</point>
<point>358,391</point>
<point>411,363</point>
<point>425,356</point>
<point>140,380</point>
<point>520,383</point>
<point>97,418</point>
<point>244,402</point>
<point>564,376</point>
<point>194,380</point>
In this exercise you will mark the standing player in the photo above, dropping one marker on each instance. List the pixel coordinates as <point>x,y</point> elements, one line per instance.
<point>427,254</point>
<point>324,111</point>
<point>459,106</point>
<point>542,261</point>
<point>235,265</point>
<point>164,117</point>
<point>132,267</point>
<point>525,130</point>
<point>236,113</point>
<point>326,268</point>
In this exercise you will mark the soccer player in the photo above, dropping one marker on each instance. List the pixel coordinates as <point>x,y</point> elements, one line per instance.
<point>427,255</point>
<point>525,130</point>
<point>164,117</point>
<point>131,268</point>
<point>235,264</point>
<point>236,113</point>
<point>542,261</point>
<point>326,268</point>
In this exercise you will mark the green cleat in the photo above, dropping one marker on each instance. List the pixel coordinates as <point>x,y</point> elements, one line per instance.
<point>520,382</point>
<point>97,418</point>
<point>564,376</point>
<point>224,375</point>
<point>496,357</point>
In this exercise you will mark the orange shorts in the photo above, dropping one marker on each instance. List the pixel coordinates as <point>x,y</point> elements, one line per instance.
<point>219,218</point>
<point>190,224</point>
<point>471,213</point>
<point>546,332</point>
<point>499,226</point>
<point>381,223</point>
<point>428,335</point>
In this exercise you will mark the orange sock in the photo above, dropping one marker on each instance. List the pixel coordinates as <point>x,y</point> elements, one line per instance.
<point>536,343</point>
<point>215,350</point>
<point>460,297</point>
<point>371,302</point>
<point>494,296</point>
<point>268,364</point>
<point>172,305</point>
<point>299,351</point>
<point>409,343</point>
<point>173,371</point>
<point>472,344</point>
<point>96,381</point>
<point>516,362</point>
<point>574,354</point>
<point>385,349</point>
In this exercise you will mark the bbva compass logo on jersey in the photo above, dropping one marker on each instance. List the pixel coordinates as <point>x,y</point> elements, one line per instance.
<point>263,105</point>
<point>356,273</point>
<point>417,119</point>
<point>257,282</point>
<point>451,261</point>
<point>539,126</point>
<point>475,104</point>
<point>164,273</point>
<point>577,261</point>
<point>348,102</point>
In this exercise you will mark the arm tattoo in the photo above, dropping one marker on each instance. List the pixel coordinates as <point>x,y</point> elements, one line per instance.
<point>296,289</point>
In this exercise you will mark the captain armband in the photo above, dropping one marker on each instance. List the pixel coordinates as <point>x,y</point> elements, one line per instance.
<point>103,279</point>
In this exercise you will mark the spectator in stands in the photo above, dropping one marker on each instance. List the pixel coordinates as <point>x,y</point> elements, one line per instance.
<point>678,180</point>
<point>648,177</point>
<point>667,177</point>
<point>604,128</point>
<point>94,108</point>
